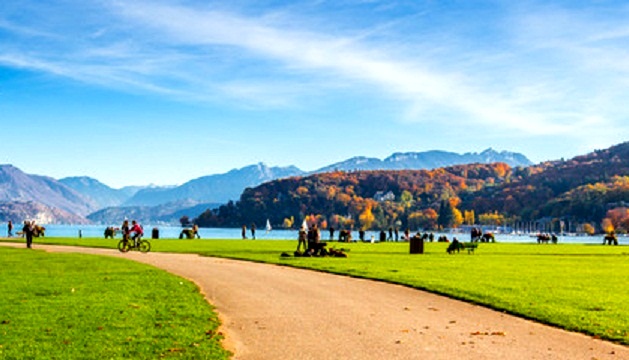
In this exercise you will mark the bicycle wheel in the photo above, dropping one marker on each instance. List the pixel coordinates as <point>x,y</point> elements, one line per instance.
<point>144,246</point>
<point>124,246</point>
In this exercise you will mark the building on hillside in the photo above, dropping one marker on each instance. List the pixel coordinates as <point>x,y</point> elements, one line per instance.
<point>381,196</point>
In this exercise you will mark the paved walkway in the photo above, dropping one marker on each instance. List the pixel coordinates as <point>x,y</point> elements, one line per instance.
<point>275,312</point>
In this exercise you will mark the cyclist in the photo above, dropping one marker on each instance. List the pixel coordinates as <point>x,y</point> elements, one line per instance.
<point>137,231</point>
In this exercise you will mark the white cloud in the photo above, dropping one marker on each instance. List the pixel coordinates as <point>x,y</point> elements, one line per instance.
<point>417,84</point>
<point>526,85</point>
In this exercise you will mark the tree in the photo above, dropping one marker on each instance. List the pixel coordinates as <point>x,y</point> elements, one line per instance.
<point>607,225</point>
<point>289,222</point>
<point>366,218</point>
<point>445,218</point>
<point>588,229</point>
<point>423,219</point>
<point>469,217</point>
<point>494,218</point>
<point>619,218</point>
<point>457,217</point>
<point>406,198</point>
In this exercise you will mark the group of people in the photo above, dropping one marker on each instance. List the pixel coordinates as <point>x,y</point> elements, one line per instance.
<point>393,235</point>
<point>133,232</point>
<point>29,230</point>
<point>311,241</point>
<point>253,231</point>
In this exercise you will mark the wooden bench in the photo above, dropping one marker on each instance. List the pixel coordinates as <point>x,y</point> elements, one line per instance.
<point>469,246</point>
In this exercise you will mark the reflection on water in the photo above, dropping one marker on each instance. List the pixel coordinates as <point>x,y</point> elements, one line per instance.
<point>172,232</point>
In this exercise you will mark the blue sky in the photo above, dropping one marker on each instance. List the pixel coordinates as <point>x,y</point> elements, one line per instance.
<point>139,92</point>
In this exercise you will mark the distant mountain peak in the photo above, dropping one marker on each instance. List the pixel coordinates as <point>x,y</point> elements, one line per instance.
<point>427,160</point>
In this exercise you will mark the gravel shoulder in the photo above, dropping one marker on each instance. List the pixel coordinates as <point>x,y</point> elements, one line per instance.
<point>277,312</point>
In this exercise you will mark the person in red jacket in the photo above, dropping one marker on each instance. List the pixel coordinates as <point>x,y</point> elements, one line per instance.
<point>137,231</point>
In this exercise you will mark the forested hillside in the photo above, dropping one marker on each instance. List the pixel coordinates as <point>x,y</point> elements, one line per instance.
<point>588,190</point>
<point>346,199</point>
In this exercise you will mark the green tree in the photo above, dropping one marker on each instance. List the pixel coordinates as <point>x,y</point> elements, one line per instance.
<point>406,198</point>
<point>446,216</point>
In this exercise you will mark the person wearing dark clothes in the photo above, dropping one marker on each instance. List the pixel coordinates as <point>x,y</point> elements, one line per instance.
<point>383,236</point>
<point>28,233</point>
<point>331,233</point>
<point>244,232</point>
<point>390,238</point>
<point>361,235</point>
<point>407,234</point>
<point>253,231</point>
<point>125,230</point>
<point>397,234</point>
<point>10,228</point>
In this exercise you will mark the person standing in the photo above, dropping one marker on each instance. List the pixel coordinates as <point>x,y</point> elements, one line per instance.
<point>331,233</point>
<point>302,239</point>
<point>125,230</point>
<point>244,232</point>
<point>28,233</point>
<point>10,228</point>
<point>253,231</point>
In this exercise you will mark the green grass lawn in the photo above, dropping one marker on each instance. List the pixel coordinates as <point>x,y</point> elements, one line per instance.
<point>582,288</point>
<point>73,306</point>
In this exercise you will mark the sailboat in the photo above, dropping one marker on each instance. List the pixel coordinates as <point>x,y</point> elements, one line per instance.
<point>268,226</point>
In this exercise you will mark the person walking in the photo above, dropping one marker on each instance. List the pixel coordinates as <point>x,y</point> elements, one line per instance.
<point>28,233</point>
<point>10,229</point>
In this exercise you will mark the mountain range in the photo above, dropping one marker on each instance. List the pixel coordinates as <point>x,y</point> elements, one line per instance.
<point>84,199</point>
<point>586,192</point>
<point>427,160</point>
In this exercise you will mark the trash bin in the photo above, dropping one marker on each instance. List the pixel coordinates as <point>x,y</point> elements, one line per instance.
<point>417,245</point>
<point>155,233</point>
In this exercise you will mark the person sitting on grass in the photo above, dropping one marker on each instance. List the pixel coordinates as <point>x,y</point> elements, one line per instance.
<point>454,246</point>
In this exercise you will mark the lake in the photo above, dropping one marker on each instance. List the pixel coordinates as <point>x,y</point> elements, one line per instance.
<point>172,232</point>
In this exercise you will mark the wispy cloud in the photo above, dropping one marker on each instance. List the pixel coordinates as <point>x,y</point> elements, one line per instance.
<point>344,58</point>
<point>185,51</point>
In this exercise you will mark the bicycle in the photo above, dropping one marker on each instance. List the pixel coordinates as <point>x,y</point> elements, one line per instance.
<point>127,244</point>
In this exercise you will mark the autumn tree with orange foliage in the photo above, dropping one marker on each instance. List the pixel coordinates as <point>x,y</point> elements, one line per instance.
<point>617,220</point>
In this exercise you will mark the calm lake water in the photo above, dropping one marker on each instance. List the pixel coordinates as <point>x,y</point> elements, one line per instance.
<point>172,232</point>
